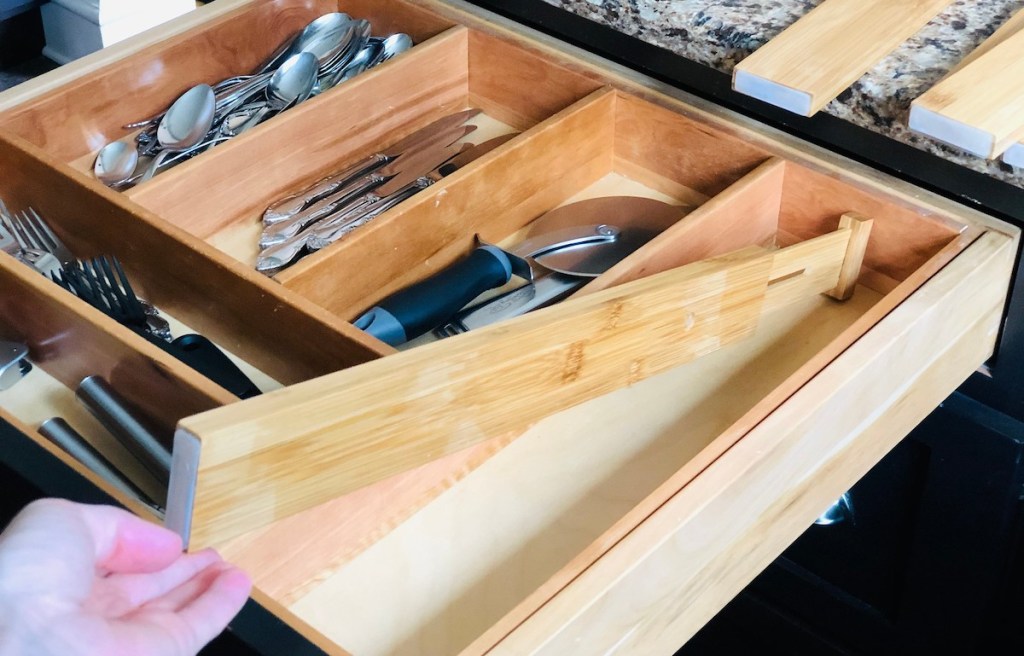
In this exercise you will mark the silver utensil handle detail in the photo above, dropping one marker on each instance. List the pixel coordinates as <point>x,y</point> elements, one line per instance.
<point>288,207</point>
<point>339,201</point>
<point>330,234</point>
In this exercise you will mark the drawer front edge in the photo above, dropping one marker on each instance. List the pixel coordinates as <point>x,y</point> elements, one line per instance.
<point>661,583</point>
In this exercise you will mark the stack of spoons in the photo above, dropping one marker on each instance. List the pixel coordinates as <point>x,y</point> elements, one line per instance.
<point>331,49</point>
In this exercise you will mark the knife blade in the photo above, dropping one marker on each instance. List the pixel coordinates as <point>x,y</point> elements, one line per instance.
<point>284,253</point>
<point>328,233</point>
<point>419,139</point>
<point>421,307</point>
<point>531,296</point>
<point>341,195</point>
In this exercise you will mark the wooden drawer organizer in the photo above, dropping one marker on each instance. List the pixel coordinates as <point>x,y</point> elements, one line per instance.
<point>597,477</point>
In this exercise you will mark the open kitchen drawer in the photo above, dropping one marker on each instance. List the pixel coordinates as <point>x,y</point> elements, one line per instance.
<point>596,477</point>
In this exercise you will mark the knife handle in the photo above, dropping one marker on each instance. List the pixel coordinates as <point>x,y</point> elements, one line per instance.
<point>292,205</point>
<point>67,438</point>
<point>124,423</point>
<point>423,306</point>
<point>205,357</point>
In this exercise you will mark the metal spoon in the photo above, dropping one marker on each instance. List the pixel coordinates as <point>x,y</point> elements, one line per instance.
<point>115,163</point>
<point>173,159</point>
<point>291,84</point>
<point>325,37</point>
<point>394,44</point>
<point>186,123</point>
<point>359,63</point>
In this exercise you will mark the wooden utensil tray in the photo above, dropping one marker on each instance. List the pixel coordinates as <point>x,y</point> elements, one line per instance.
<point>601,475</point>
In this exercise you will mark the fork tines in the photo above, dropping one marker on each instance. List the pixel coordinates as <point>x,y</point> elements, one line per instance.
<point>102,283</point>
<point>32,233</point>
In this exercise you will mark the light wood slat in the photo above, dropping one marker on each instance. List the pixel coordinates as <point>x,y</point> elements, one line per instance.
<point>346,526</point>
<point>659,585</point>
<point>870,311</point>
<point>980,108</point>
<point>860,228</point>
<point>384,418</point>
<point>1005,31</point>
<point>828,49</point>
<point>1014,155</point>
<point>744,214</point>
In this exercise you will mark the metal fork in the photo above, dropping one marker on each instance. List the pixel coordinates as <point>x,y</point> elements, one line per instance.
<point>7,241</point>
<point>102,283</point>
<point>32,233</point>
<point>35,236</point>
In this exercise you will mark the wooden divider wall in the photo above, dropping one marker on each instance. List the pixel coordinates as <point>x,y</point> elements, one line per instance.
<point>75,120</point>
<point>247,314</point>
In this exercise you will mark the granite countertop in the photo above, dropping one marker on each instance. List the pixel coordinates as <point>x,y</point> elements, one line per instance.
<point>721,34</point>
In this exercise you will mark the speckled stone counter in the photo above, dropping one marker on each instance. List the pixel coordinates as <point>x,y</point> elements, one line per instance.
<point>720,34</point>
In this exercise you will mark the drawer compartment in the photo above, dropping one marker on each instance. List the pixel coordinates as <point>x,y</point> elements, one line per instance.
<point>74,121</point>
<point>221,196</point>
<point>599,476</point>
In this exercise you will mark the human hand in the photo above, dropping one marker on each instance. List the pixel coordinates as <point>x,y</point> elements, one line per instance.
<point>79,580</point>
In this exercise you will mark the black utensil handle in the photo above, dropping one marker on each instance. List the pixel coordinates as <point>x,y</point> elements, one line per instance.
<point>205,357</point>
<point>422,307</point>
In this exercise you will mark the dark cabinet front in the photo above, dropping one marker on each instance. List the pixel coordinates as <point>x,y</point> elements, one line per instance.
<point>928,562</point>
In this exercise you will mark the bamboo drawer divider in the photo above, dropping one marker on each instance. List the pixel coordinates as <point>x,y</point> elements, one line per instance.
<point>828,49</point>
<point>563,356</point>
<point>509,489</point>
<point>980,107</point>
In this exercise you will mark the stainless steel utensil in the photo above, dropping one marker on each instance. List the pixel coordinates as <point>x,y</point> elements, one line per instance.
<point>58,431</point>
<point>125,423</point>
<point>115,163</point>
<point>540,293</point>
<point>435,132</point>
<point>550,243</point>
<point>14,364</point>
<point>184,125</point>
<point>289,85</point>
<point>102,283</point>
<point>421,307</point>
<point>334,229</point>
<point>284,253</point>
<point>323,37</point>
<point>414,159</point>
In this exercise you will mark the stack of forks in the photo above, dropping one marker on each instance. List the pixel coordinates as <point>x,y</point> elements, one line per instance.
<point>101,282</point>
<point>30,240</point>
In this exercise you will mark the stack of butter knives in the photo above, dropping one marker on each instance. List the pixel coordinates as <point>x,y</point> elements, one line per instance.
<point>333,207</point>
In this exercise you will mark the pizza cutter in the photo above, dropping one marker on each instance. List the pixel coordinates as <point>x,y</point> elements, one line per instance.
<point>581,240</point>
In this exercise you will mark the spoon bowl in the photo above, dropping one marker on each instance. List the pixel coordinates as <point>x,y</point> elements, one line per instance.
<point>184,125</point>
<point>188,120</point>
<point>326,37</point>
<point>290,84</point>
<point>293,82</point>
<point>115,163</point>
<point>395,44</point>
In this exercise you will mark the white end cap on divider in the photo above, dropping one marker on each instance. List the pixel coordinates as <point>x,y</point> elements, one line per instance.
<point>953,132</point>
<point>773,93</point>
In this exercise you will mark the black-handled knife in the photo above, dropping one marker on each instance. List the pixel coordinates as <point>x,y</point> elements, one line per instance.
<point>419,308</point>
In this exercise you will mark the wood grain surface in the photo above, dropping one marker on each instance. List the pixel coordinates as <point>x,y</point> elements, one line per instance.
<point>828,49</point>
<point>980,107</point>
